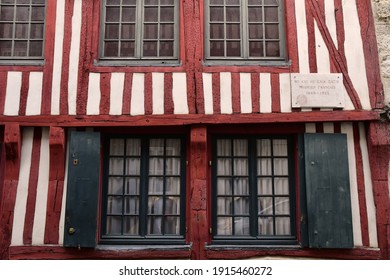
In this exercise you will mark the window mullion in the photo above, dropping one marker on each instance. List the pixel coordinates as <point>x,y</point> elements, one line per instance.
<point>253,208</point>
<point>244,29</point>
<point>144,186</point>
<point>139,28</point>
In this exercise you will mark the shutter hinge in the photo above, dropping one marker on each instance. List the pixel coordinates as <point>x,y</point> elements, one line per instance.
<point>210,163</point>
<point>211,230</point>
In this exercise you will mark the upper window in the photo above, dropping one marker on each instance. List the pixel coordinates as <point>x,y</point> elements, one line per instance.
<point>244,29</point>
<point>144,193</point>
<point>253,190</point>
<point>22,29</point>
<point>139,30</point>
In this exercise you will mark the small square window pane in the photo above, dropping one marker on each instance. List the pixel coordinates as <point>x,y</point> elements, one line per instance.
<point>240,147</point>
<point>281,166</point>
<point>156,166</point>
<point>241,226</point>
<point>5,48</point>
<point>36,31</point>
<point>233,31</point>
<point>167,2</point>
<point>232,2</point>
<point>114,225</point>
<point>241,167</point>
<point>113,2</point>
<point>117,147</point>
<point>241,206</point>
<point>264,167</point>
<point>128,14</point>
<point>156,147</point>
<point>224,206</point>
<point>115,185</point>
<point>155,225</point>
<point>130,226</point>
<point>172,225</point>
<point>265,226</point>
<point>128,31</point>
<point>167,14</point>
<point>38,13</point>
<point>150,31</point>
<point>271,14</point>
<point>282,206</point>
<point>156,186</point>
<point>272,31</point>
<point>224,147</point>
<point>217,31</point>
<point>127,49</point>
<point>7,13</point>
<point>22,1</point>
<point>167,31</point>
<point>216,14</point>
<point>129,2</point>
<point>133,166</point>
<point>151,2</point>
<point>255,31</point>
<point>224,167</point>
<point>241,186</point>
<point>172,166</point>
<point>283,226</point>
<point>256,49</point>
<point>133,147</point>
<point>116,166</point>
<point>224,186</point>
<point>172,206</point>
<point>172,186</point>
<point>114,205</point>
<point>217,48</point>
<point>216,2</point>
<point>131,205</point>
<point>255,14</point>
<point>155,205</point>
<point>264,147</point>
<point>233,14</point>
<point>112,14</point>
<point>224,226</point>
<point>282,186</point>
<point>264,186</point>
<point>233,49</point>
<point>151,14</point>
<point>265,206</point>
<point>6,30</point>
<point>22,13</point>
<point>132,186</point>
<point>112,31</point>
<point>111,49</point>
<point>20,48</point>
<point>280,147</point>
<point>21,31</point>
<point>173,147</point>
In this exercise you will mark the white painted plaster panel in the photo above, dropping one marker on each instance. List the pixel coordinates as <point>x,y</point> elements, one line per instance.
<point>303,40</point>
<point>137,105</point>
<point>158,93</point>
<point>245,93</point>
<point>38,232</point>
<point>328,128</point>
<point>179,93</point>
<point>12,96</point>
<point>310,128</point>
<point>74,57</point>
<point>265,93</point>
<point>22,190</point>
<point>208,93</point>
<point>34,97</point>
<point>57,63</point>
<point>94,94</point>
<point>226,93</point>
<point>285,93</point>
<point>323,62</point>
<point>330,20</point>
<point>116,93</point>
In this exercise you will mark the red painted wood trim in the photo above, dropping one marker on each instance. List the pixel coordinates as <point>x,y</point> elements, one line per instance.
<point>148,91</point>
<point>12,144</point>
<point>198,191</point>
<point>216,91</point>
<point>32,186</point>
<point>64,107</point>
<point>95,36</point>
<point>166,120</point>
<point>292,35</point>
<point>311,39</point>
<point>236,97</point>
<point>361,186</point>
<point>168,97</point>
<point>255,89</point>
<point>105,90</point>
<point>371,56</point>
<point>275,93</point>
<point>337,127</point>
<point>56,184</point>
<point>61,253</point>
<point>276,69</point>
<point>334,53</point>
<point>3,90</point>
<point>127,93</point>
<point>24,93</point>
<point>320,127</point>
<point>84,57</point>
<point>339,15</point>
<point>51,10</point>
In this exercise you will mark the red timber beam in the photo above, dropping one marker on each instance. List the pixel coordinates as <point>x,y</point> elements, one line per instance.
<point>56,184</point>
<point>198,227</point>
<point>336,56</point>
<point>379,156</point>
<point>12,144</point>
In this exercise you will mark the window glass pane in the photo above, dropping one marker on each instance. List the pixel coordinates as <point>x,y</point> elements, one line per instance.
<point>233,31</point>
<point>266,226</point>
<point>129,2</point>
<point>20,48</point>
<point>281,186</point>
<point>283,226</point>
<point>217,31</point>
<point>224,167</point>
<point>155,205</point>
<point>166,49</point>
<point>36,31</point>
<point>156,147</point>
<point>241,167</point>
<point>115,185</point>
<point>280,147</point>
<point>111,49</point>
<point>272,49</point>
<point>133,166</point>
<point>173,147</point>
<point>255,14</point>
<point>131,206</point>
<point>171,206</point>
<point>224,206</point>
<point>128,31</point>
<point>7,13</point>
<point>133,147</point>
<point>36,48</point>
<point>241,226</point>
<point>128,14</point>
<point>241,206</point>
<point>21,31</point>
<point>233,49</point>
<point>272,31</point>
<point>151,14</point>
<point>224,226</point>
<point>264,186</point>
<point>22,13</point>
<point>112,14</point>
<point>241,186</point>
<point>167,31</point>
<point>130,226</point>
<point>132,186</point>
<point>112,31</point>
<point>156,166</point>
<point>150,31</point>
<point>113,2</point>
<point>224,147</point>
<point>282,206</point>
<point>172,166</point>
<point>114,225</point>
<point>172,186</point>
<point>281,166</point>
<point>255,31</point>
<point>256,49</point>
<point>167,14</point>
<point>22,1</point>
<point>264,167</point>
<point>117,147</point>
<point>271,14</point>
<point>240,147</point>
<point>5,48</point>
<point>116,166</point>
<point>233,14</point>
<point>38,13</point>
<point>114,205</point>
<point>127,49</point>
<point>216,14</point>
<point>224,186</point>
<point>151,2</point>
<point>217,48</point>
<point>6,30</point>
<point>265,206</point>
<point>264,147</point>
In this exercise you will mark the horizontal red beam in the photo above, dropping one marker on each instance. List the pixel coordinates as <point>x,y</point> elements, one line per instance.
<point>169,120</point>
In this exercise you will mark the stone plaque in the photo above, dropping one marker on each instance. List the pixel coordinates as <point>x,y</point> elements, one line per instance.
<point>317,91</point>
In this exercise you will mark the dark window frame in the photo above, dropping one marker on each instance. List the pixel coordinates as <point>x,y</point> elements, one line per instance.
<point>254,238</point>
<point>144,238</point>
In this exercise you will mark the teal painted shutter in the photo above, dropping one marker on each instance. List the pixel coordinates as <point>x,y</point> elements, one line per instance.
<point>329,217</point>
<point>82,190</point>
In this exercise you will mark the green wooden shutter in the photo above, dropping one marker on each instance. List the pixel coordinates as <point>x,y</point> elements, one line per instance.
<point>82,190</point>
<point>329,217</point>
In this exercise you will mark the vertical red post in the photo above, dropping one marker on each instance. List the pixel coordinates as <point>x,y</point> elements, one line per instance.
<point>198,191</point>
<point>12,143</point>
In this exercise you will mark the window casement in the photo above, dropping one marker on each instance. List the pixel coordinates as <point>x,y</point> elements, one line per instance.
<point>143,197</point>
<point>253,190</point>
<point>242,31</point>
<point>22,29</point>
<point>139,31</point>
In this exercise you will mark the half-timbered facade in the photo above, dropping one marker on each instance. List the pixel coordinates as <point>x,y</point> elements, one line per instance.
<point>191,129</point>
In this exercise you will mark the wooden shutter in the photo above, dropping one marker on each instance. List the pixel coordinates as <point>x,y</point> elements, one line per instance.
<point>329,218</point>
<point>82,190</point>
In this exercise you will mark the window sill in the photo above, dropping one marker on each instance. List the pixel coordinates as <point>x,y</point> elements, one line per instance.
<point>142,247</point>
<point>19,62</point>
